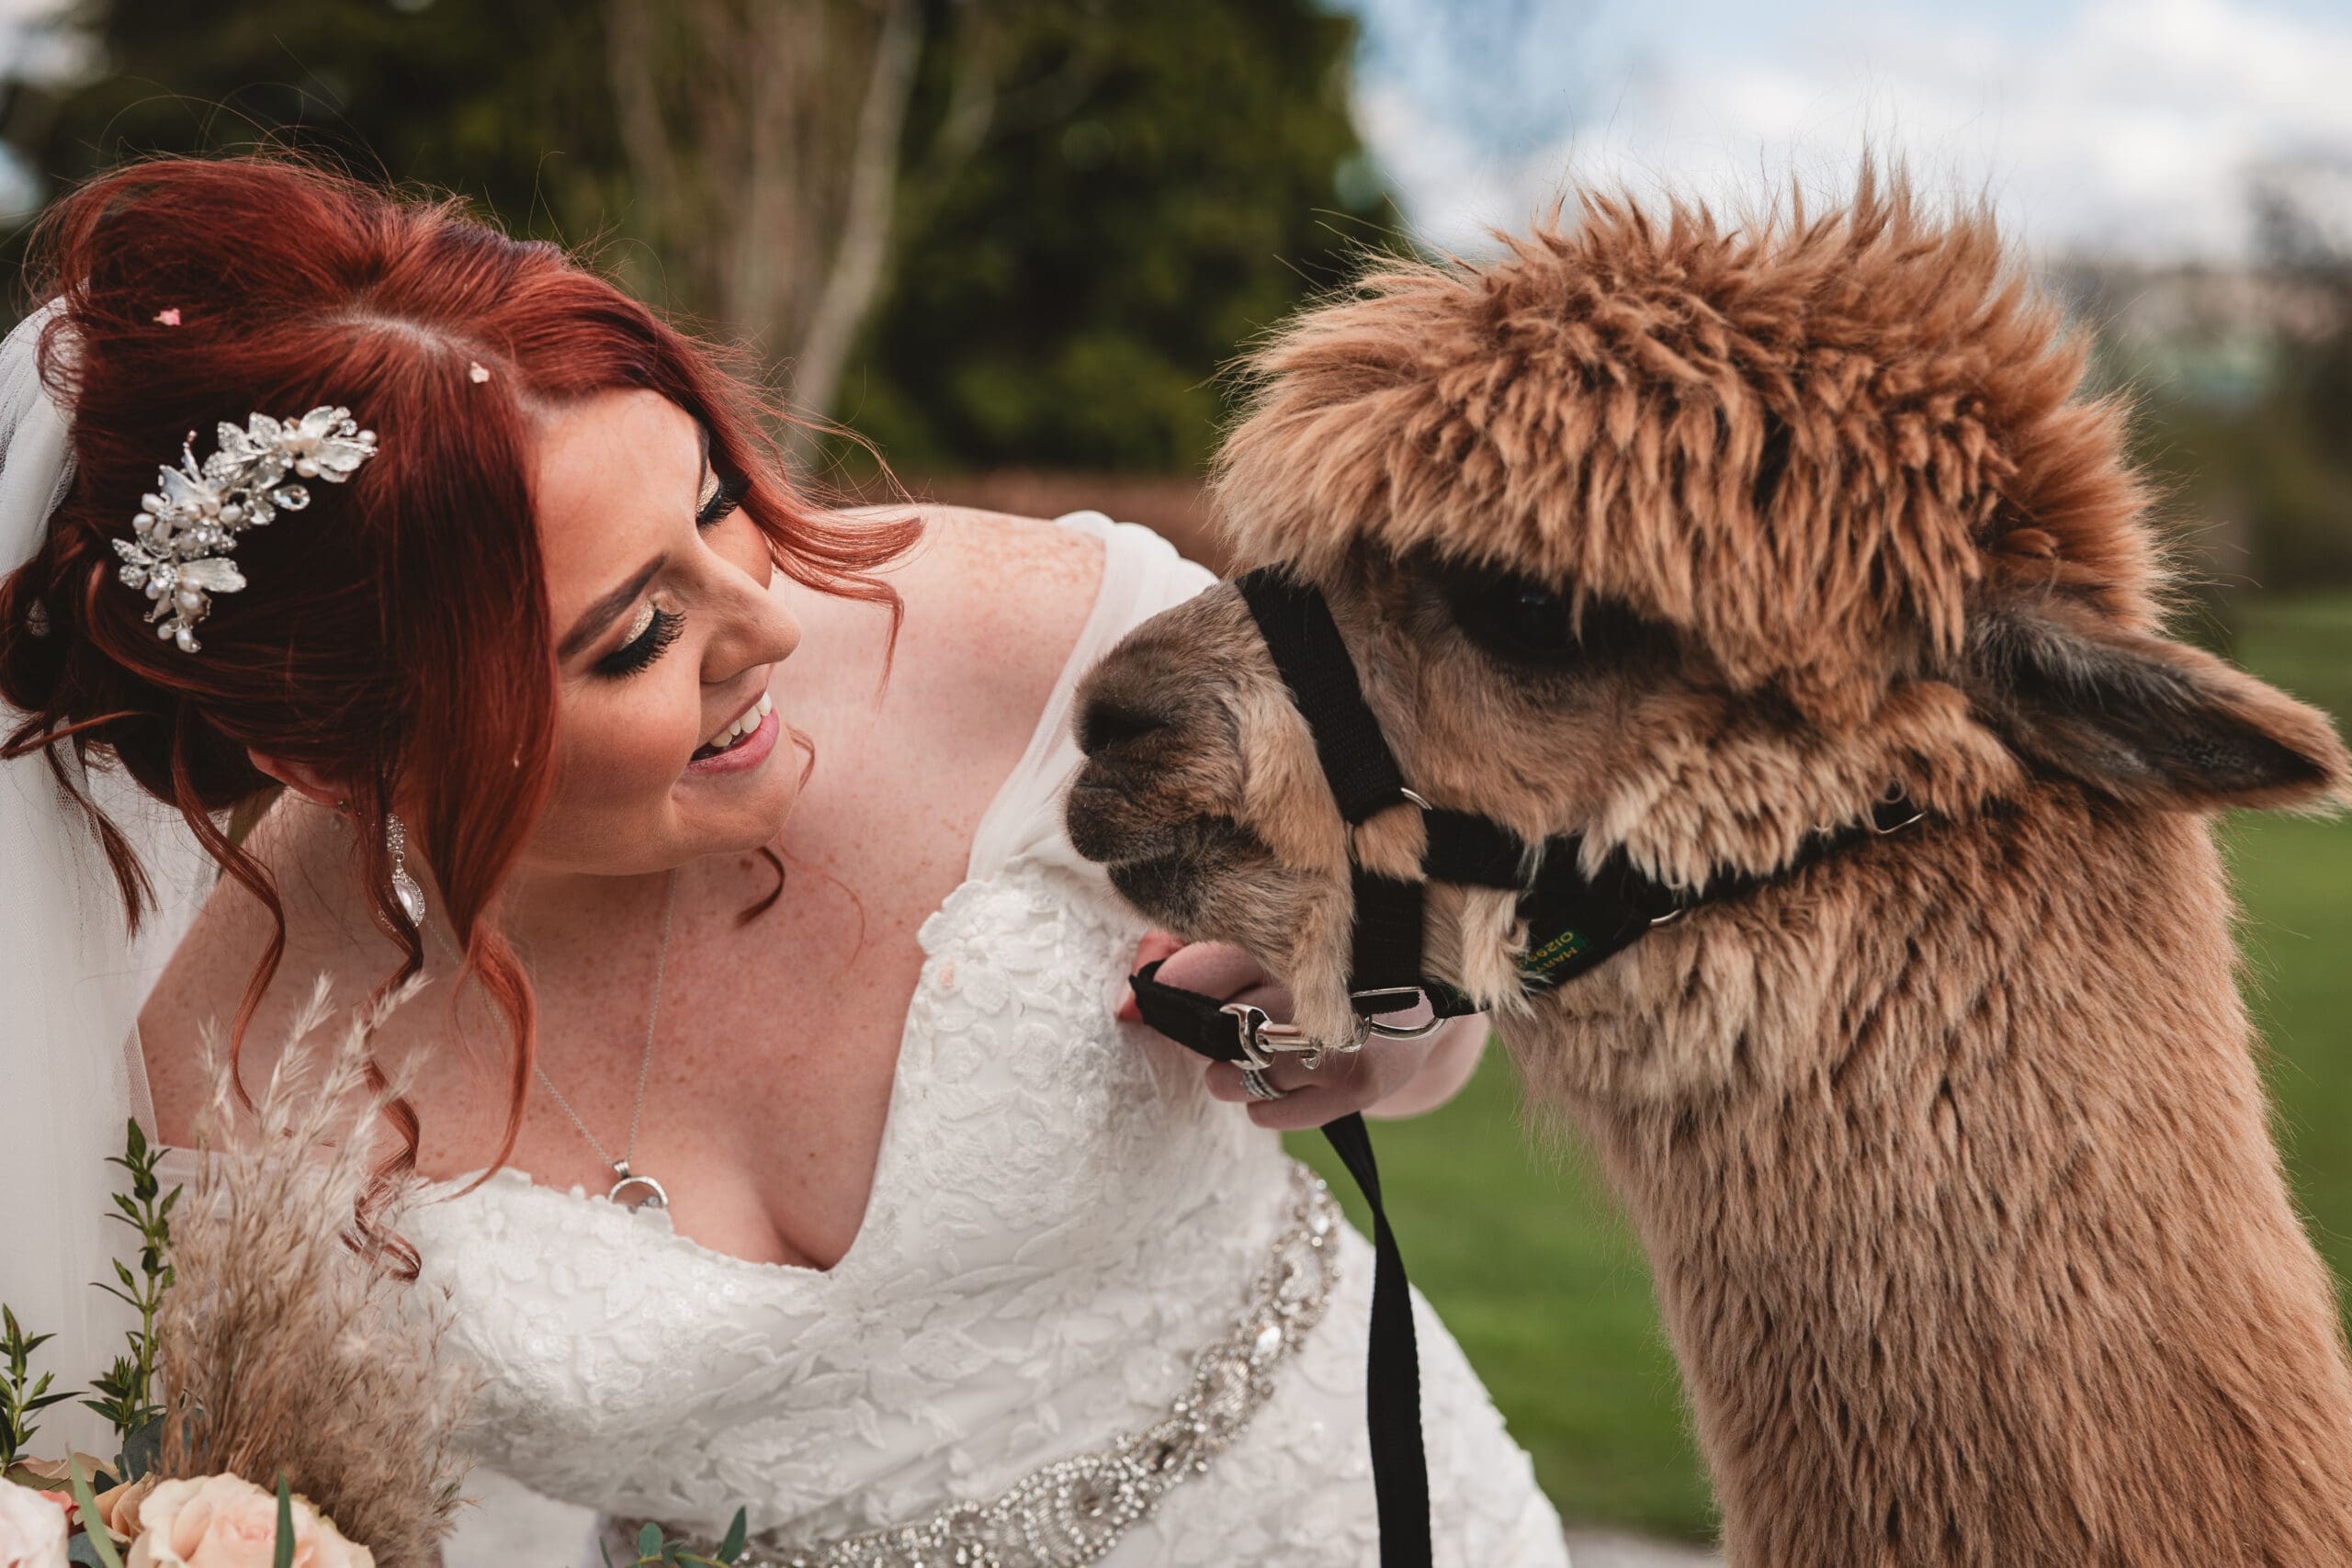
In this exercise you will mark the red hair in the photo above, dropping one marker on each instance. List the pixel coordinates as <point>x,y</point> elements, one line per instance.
<point>396,633</point>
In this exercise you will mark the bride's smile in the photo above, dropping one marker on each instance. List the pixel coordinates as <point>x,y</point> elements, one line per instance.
<point>672,635</point>
<point>747,738</point>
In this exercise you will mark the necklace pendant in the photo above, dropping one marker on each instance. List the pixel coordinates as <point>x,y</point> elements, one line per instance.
<point>633,1192</point>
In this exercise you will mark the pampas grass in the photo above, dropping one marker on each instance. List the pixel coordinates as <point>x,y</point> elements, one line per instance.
<point>285,1348</point>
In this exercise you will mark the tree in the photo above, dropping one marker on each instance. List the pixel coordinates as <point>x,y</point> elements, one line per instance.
<point>1154,194</point>
<point>501,102</point>
<point>764,143</point>
<point>1067,212</point>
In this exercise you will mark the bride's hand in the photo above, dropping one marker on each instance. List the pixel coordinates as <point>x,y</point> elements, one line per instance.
<point>1388,1078</point>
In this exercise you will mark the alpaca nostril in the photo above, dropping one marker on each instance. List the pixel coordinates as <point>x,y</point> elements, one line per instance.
<point>1109,723</point>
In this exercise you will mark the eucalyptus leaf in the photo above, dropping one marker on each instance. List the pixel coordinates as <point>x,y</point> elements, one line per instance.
<point>738,1532</point>
<point>85,1499</point>
<point>648,1541</point>
<point>143,1451</point>
<point>284,1557</point>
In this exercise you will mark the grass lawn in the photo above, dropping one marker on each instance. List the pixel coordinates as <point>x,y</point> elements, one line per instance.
<point>1525,1254</point>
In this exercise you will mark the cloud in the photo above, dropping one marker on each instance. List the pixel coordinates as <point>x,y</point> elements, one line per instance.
<point>2125,125</point>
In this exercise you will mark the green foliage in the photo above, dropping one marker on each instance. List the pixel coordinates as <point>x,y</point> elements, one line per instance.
<point>126,1388</point>
<point>2278,467</point>
<point>503,104</point>
<point>100,1541</point>
<point>1067,301</point>
<point>653,1551</point>
<point>1153,185</point>
<point>21,1395</point>
<point>2243,422</point>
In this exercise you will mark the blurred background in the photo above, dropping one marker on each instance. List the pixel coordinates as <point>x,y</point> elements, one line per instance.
<point>1011,242</point>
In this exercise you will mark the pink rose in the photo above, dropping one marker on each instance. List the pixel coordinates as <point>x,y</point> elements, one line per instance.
<point>225,1521</point>
<point>118,1507</point>
<point>32,1528</point>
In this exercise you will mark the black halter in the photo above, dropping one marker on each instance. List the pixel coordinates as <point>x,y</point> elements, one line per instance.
<point>1574,923</point>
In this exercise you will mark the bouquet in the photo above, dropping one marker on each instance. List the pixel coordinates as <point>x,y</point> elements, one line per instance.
<point>282,1400</point>
<point>283,1403</point>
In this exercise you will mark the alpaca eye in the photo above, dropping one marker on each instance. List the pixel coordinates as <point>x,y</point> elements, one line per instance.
<point>1533,619</point>
<point>1516,617</point>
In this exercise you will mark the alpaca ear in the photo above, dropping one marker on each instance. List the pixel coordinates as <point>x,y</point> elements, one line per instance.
<point>2146,719</point>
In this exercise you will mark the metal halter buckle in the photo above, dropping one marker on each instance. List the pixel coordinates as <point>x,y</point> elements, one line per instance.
<point>1262,1037</point>
<point>1418,997</point>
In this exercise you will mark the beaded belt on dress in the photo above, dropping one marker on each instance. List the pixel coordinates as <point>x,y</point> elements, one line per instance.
<point>1074,1510</point>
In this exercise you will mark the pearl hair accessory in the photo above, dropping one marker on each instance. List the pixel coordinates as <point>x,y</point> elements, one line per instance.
<point>185,531</point>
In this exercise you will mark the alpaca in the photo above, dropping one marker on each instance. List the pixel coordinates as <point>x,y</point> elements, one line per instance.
<point>1948,1149</point>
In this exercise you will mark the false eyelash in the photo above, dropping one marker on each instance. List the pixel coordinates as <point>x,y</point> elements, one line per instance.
<point>631,657</point>
<point>723,501</point>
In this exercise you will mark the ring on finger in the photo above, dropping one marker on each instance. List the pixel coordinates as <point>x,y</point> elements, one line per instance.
<point>1255,1083</point>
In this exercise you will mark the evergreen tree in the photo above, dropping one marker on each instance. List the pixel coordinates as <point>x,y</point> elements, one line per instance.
<point>1089,206</point>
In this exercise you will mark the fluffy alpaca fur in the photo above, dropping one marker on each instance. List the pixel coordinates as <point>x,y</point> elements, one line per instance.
<point>1950,1151</point>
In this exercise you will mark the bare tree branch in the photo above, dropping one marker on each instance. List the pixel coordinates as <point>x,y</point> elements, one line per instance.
<point>971,97</point>
<point>863,250</point>
<point>766,143</point>
<point>629,59</point>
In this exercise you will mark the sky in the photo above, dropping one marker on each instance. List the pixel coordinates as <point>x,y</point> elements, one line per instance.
<point>2105,127</point>
<point>2108,127</point>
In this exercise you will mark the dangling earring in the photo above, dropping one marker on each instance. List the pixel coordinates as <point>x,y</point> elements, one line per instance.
<point>404,887</point>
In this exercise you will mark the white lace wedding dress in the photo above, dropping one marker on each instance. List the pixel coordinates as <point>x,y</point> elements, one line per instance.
<point>1062,1225</point>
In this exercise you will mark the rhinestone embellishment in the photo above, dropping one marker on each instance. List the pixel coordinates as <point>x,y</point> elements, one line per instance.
<point>1073,1511</point>
<point>182,538</point>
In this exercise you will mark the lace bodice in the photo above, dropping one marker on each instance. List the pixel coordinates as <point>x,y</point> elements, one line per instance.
<point>1061,1219</point>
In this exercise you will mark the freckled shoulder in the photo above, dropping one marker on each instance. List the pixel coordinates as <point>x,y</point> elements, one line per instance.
<point>994,606</point>
<point>995,560</point>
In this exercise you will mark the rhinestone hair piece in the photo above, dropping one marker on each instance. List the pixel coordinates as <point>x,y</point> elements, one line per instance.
<point>183,536</point>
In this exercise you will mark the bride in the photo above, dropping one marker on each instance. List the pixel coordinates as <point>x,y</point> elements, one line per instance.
<point>784,1148</point>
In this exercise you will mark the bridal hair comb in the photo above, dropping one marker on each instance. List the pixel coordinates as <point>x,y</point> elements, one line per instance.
<point>185,531</point>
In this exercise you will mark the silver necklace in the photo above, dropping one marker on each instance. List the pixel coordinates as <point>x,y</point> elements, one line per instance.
<point>643,1191</point>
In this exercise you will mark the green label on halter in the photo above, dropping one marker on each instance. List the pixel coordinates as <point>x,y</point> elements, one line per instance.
<point>1543,962</point>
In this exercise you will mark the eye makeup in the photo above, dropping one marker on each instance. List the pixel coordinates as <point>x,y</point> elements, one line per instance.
<point>726,496</point>
<point>652,631</point>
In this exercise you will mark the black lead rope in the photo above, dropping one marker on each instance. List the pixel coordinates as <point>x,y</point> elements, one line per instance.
<point>1574,920</point>
<point>1386,956</point>
<point>1392,1393</point>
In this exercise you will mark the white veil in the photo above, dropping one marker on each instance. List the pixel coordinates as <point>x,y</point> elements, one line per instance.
<point>72,982</point>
